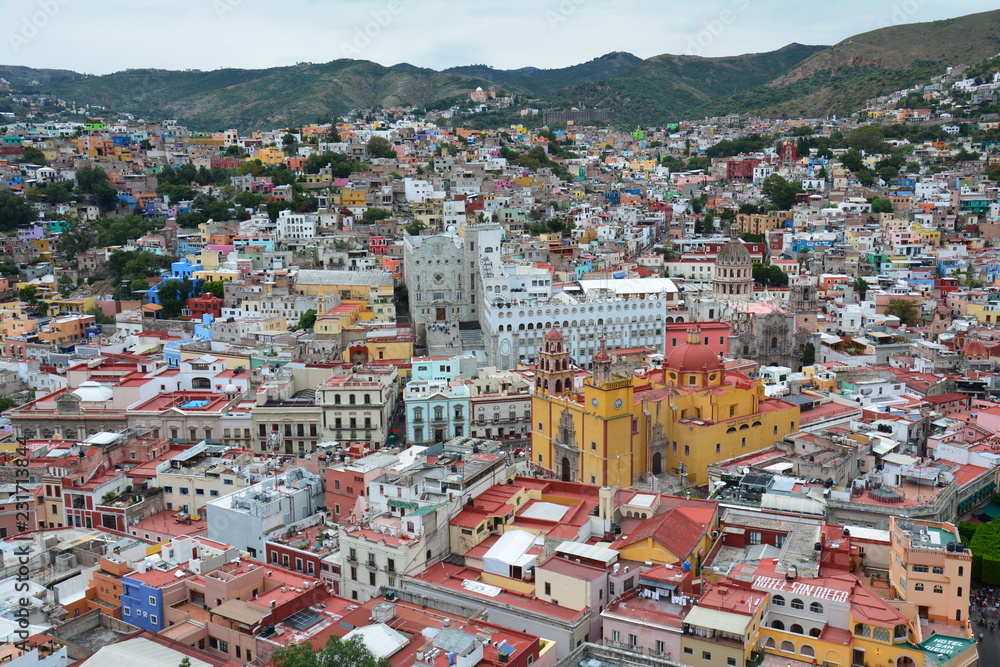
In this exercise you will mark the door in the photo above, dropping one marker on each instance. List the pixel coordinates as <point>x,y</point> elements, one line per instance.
<point>441,314</point>
<point>657,463</point>
<point>438,435</point>
<point>565,469</point>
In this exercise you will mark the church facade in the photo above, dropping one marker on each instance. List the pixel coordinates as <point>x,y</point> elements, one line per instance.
<point>680,418</point>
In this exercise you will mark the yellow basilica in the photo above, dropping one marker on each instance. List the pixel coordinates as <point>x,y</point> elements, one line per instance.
<point>682,417</point>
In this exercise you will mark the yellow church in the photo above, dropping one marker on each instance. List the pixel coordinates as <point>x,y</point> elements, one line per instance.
<point>680,418</point>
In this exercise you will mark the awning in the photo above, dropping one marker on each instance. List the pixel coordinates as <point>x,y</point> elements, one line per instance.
<point>992,510</point>
<point>405,504</point>
<point>723,621</point>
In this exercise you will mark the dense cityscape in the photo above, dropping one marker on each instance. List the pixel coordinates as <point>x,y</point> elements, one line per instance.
<point>403,387</point>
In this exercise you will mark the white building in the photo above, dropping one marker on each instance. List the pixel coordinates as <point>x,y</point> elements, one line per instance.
<point>295,226</point>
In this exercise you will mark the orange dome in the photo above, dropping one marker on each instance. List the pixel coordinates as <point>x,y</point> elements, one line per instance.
<point>553,334</point>
<point>693,358</point>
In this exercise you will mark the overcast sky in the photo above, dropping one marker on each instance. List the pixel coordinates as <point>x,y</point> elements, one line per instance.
<point>101,36</point>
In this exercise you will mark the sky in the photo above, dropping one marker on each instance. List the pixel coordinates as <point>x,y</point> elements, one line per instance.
<point>102,36</point>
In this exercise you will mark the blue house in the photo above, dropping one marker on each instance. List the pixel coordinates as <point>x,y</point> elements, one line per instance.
<point>142,603</point>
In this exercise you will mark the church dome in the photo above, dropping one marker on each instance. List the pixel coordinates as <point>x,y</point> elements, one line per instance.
<point>95,392</point>
<point>734,253</point>
<point>553,334</point>
<point>693,357</point>
<point>974,349</point>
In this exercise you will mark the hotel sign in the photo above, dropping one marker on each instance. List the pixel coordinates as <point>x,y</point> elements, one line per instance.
<point>800,588</point>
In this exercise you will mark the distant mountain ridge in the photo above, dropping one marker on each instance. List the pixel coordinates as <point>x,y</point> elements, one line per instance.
<point>797,80</point>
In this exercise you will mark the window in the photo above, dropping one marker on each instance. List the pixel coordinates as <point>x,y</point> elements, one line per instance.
<point>961,571</point>
<point>938,570</point>
<point>918,586</point>
<point>778,601</point>
<point>938,589</point>
<point>168,489</point>
<point>152,619</point>
<point>688,650</point>
<point>755,539</point>
<point>184,491</point>
<point>199,492</point>
<point>548,588</point>
<point>777,625</point>
<point>730,661</point>
<point>706,655</point>
<point>880,634</point>
<point>152,601</point>
<point>796,628</point>
<point>127,611</point>
<point>227,482</point>
<point>214,493</point>
<point>920,568</point>
<point>633,641</point>
<point>816,608</point>
<point>797,604</point>
<point>371,578</point>
<point>687,450</point>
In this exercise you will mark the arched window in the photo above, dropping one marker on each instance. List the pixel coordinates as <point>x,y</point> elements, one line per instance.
<point>960,589</point>
<point>807,651</point>
<point>201,383</point>
<point>918,587</point>
<point>796,628</point>
<point>768,642</point>
<point>778,601</point>
<point>787,647</point>
<point>938,589</point>
<point>774,342</point>
<point>862,630</point>
<point>351,399</point>
<point>814,632</point>
<point>777,625</point>
<point>797,604</point>
<point>816,608</point>
<point>880,634</point>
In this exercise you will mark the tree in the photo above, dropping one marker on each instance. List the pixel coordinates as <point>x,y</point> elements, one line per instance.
<point>27,294</point>
<point>79,237</point>
<point>868,138</point>
<point>307,320</point>
<point>414,227</point>
<point>173,294</point>
<point>65,284</point>
<point>89,178</point>
<point>99,316</point>
<point>336,653</point>
<point>881,205</point>
<point>15,211</point>
<point>216,287</point>
<point>780,192</point>
<point>860,286</point>
<point>185,662</point>
<point>852,160</point>
<point>33,156</point>
<point>379,147</point>
<point>809,355</point>
<point>904,309</point>
<point>373,215</point>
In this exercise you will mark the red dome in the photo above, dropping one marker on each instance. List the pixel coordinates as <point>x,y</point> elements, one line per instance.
<point>553,334</point>
<point>693,358</point>
<point>974,348</point>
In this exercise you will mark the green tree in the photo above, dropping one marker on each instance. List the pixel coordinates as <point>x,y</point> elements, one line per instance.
<point>173,294</point>
<point>6,403</point>
<point>868,138</point>
<point>336,653</point>
<point>216,287</point>
<point>65,284</point>
<point>8,268</point>
<point>379,147</point>
<point>15,211</point>
<point>866,177</point>
<point>307,320</point>
<point>881,205</point>
<point>185,662</point>
<point>27,294</point>
<point>780,192</point>
<point>809,355</point>
<point>33,156</point>
<point>860,286</point>
<point>373,215</point>
<point>79,237</point>
<point>414,227</point>
<point>99,316</point>
<point>905,310</point>
<point>89,178</point>
<point>852,160</point>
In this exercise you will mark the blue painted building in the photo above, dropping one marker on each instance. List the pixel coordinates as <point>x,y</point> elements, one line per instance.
<point>142,603</point>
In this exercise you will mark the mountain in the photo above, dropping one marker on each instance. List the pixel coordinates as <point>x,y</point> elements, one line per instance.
<point>839,80</point>
<point>669,87</point>
<point>795,80</point>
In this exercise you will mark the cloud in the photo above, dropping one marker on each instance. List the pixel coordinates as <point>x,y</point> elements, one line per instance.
<point>208,34</point>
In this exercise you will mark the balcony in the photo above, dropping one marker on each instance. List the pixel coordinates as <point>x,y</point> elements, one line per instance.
<point>352,559</point>
<point>634,648</point>
<point>371,565</point>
